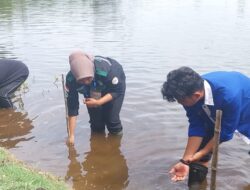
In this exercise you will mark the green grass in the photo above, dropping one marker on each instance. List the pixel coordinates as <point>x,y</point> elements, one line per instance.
<point>14,175</point>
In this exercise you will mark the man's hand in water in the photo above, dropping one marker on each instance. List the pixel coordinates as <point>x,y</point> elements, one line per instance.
<point>179,171</point>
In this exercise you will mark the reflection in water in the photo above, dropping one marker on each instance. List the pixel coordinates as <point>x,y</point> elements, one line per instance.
<point>4,53</point>
<point>247,187</point>
<point>104,166</point>
<point>13,127</point>
<point>241,7</point>
<point>5,7</point>
<point>111,10</point>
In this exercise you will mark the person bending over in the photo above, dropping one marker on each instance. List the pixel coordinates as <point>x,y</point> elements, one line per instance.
<point>101,81</point>
<point>201,96</point>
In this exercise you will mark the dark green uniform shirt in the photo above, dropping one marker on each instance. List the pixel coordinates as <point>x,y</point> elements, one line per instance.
<point>109,78</point>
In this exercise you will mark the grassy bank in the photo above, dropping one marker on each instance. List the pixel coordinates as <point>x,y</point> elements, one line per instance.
<point>16,175</point>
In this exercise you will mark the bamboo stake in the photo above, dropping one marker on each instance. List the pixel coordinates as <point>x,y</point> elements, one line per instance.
<point>66,104</point>
<point>217,130</point>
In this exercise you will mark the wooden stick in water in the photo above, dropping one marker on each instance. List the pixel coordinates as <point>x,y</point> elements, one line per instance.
<point>66,104</point>
<point>217,130</point>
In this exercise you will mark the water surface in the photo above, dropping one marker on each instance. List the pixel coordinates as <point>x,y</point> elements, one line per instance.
<point>149,38</point>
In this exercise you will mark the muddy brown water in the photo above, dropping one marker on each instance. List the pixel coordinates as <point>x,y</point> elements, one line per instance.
<point>149,38</point>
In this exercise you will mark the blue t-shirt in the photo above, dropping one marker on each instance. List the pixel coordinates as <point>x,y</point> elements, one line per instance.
<point>231,94</point>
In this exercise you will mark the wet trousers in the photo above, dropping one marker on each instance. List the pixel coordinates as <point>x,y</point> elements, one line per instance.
<point>107,114</point>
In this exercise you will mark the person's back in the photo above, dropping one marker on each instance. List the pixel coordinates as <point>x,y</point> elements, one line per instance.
<point>228,83</point>
<point>12,74</point>
<point>232,88</point>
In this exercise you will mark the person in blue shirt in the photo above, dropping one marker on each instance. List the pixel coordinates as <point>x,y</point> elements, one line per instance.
<point>201,96</point>
<point>12,74</point>
<point>102,82</point>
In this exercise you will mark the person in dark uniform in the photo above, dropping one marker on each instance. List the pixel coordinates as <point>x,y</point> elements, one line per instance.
<point>12,74</point>
<point>101,80</point>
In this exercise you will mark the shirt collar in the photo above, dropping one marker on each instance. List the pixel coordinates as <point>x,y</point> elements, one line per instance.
<point>208,94</point>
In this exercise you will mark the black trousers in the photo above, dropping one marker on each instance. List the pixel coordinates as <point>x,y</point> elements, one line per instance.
<point>7,90</point>
<point>107,114</point>
<point>204,142</point>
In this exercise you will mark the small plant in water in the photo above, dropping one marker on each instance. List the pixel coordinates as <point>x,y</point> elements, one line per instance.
<point>56,81</point>
<point>24,88</point>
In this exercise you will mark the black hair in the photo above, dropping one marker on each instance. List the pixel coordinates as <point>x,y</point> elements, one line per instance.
<point>181,83</point>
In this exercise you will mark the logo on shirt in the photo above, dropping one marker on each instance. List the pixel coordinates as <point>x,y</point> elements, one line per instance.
<point>115,80</point>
